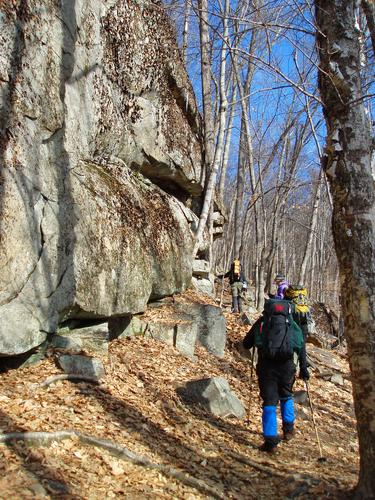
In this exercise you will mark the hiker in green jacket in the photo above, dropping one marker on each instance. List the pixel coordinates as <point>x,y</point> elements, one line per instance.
<point>279,341</point>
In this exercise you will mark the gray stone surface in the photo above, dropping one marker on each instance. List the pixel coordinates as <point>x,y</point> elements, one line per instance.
<point>323,360</point>
<point>203,285</point>
<point>247,319</point>
<point>82,365</point>
<point>179,331</point>
<point>187,324</point>
<point>186,338</point>
<point>303,413</point>
<point>93,338</point>
<point>337,379</point>
<point>165,332</point>
<point>127,327</point>
<point>301,398</point>
<point>215,395</point>
<point>201,268</point>
<point>96,112</point>
<point>211,326</point>
<point>68,343</point>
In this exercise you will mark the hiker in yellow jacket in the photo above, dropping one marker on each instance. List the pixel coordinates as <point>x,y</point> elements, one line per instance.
<point>237,282</point>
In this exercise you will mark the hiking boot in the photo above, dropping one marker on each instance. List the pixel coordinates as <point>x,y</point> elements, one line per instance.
<point>288,435</point>
<point>268,447</point>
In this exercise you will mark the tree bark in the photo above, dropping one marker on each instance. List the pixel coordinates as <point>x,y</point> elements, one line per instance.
<point>185,33</point>
<point>241,172</point>
<point>224,163</point>
<point>313,223</point>
<point>368,7</point>
<point>212,155</point>
<point>347,161</point>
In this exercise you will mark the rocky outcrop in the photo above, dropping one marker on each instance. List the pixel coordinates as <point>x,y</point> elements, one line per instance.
<point>181,325</point>
<point>100,159</point>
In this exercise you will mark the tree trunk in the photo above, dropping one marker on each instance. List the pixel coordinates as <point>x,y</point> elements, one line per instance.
<point>241,172</point>
<point>313,224</point>
<point>224,163</point>
<point>368,7</point>
<point>347,162</point>
<point>185,33</point>
<point>212,157</point>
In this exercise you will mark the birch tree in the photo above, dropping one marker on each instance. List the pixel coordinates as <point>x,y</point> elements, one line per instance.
<point>213,155</point>
<point>348,161</point>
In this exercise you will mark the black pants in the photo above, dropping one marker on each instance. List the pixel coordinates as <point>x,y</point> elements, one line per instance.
<point>276,379</point>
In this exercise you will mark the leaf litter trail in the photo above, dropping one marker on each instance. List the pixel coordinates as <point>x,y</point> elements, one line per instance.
<point>137,408</point>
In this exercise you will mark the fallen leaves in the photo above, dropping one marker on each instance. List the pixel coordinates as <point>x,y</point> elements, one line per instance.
<point>138,408</point>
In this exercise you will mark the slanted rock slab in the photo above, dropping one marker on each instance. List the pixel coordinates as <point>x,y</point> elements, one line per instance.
<point>215,395</point>
<point>92,338</point>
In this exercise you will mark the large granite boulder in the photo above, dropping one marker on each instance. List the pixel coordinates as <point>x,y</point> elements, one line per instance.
<point>100,158</point>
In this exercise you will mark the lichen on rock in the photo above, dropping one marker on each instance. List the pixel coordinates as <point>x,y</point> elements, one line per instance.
<point>100,148</point>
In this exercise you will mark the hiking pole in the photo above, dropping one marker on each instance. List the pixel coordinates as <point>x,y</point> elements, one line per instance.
<point>222,291</point>
<point>321,458</point>
<point>251,385</point>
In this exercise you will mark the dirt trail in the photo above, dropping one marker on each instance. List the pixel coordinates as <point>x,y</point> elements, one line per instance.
<point>137,407</point>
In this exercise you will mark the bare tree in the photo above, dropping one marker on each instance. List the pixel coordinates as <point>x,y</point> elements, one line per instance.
<point>213,155</point>
<point>185,33</point>
<point>348,161</point>
<point>368,7</point>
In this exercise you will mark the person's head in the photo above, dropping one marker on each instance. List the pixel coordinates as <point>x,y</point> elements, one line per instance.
<point>279,278</point>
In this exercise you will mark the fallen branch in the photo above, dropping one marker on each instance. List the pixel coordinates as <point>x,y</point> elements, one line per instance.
<point>68,376</point>
<point>45,438</point>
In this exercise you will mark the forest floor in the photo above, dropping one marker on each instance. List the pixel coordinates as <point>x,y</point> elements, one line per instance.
<point>137,408</point>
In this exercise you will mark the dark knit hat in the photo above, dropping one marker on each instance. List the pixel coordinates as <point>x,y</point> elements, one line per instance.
<point>280,277</point>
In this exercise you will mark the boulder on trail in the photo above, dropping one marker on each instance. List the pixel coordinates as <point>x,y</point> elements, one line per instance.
<point>82,365</point>
<point>215,395</point>
<point>210,323</point>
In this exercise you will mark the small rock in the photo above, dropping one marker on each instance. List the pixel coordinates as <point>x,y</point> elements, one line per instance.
<point>337,379</point>
<point>303,413</point>
<point>82,365</point>
<point>215,395</point>
<point>301,398</point>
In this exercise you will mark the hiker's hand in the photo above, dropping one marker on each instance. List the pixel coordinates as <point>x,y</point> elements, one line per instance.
<point>241,349</point>
<point>304,374</point>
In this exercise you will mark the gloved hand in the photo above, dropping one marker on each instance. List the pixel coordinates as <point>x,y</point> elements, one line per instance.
<point>304,373</point>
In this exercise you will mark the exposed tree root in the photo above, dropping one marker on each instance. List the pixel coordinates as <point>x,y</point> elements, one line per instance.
<point>261,468</point>
<point>67,376</point>
<point>45,438</point>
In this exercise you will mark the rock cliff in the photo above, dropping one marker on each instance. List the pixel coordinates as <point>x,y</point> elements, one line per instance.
<point>100,156</point>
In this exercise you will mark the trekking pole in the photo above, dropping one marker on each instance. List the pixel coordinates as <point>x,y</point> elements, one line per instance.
<point>251,385</point>
<point>222,291</point>
<point>321,457</point>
